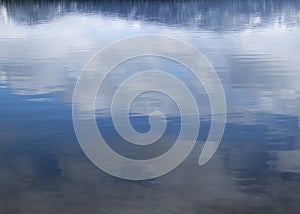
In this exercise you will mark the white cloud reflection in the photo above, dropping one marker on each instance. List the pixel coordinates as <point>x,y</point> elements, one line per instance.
<point>258,66</point>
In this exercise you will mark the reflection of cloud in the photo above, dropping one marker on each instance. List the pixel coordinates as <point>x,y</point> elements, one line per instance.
<point>258,76</point>
<point>3,78</point>
<point>264,70</point>
<point>145,102</point>
<point>3,14</point>
<point>47,58</point>
<point>287,161</point>
<point>34,189</point>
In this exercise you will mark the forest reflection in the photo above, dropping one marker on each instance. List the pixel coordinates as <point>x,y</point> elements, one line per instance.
<point>204,14</point>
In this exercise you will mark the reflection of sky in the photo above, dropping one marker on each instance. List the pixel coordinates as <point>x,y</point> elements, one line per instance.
<point>256,55</point>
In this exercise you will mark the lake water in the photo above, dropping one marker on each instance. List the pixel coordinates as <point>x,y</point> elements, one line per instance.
<point>254,47</point>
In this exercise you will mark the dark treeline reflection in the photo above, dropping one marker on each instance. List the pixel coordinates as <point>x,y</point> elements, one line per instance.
<point>207,14</point>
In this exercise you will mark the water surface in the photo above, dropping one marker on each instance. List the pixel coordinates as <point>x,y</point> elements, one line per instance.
<point>254,46</point>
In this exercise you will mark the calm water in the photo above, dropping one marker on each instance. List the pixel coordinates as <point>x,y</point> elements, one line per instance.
<point>254,46</point>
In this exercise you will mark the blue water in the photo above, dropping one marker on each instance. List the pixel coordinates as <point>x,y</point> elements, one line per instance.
<point>254,47</point>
